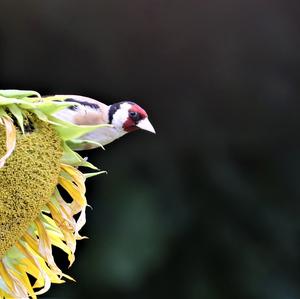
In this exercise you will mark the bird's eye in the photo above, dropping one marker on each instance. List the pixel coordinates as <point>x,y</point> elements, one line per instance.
<point>134,115</point>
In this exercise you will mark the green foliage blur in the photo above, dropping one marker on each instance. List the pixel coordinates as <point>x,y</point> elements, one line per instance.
<point>209,208</point>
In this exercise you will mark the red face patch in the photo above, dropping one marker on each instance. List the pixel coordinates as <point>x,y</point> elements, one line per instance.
<point>139,110</point>
<point>135,114</point>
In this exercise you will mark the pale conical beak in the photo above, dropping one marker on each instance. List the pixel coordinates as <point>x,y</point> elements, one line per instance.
<point>145,124</point>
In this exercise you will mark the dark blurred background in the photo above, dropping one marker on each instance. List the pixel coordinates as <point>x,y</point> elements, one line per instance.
<point>208,208</point>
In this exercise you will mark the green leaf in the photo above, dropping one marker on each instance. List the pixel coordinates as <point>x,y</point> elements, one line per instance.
<point>6,101</point>
<point>69,131</point>
<point>91,174</point>
<point>19,94</point>
<point>50,107</point>
<point>77,144</point>
<point>72,158</point>
<point>87,164</point>
<point>17,113</point>
<point>42,116</point>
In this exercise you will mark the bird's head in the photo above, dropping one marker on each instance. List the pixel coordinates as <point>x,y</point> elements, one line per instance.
<point>128,116</point>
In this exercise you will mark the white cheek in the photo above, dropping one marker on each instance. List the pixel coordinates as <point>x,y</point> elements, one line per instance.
<point>121,116</point>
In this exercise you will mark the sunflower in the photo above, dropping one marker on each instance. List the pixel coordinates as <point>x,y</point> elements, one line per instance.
<point>36,164</point>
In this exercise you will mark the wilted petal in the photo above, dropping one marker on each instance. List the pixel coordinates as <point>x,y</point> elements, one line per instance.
<point>10,138</point>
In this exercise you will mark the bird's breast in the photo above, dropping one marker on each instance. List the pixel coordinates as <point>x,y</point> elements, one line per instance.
<point>103,135</point>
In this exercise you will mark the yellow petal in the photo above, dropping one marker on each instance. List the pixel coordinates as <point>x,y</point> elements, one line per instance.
<point>45,246</point>
<point>5,276</point>
<point>23,278</point>
<point>73,190</point>
<point>12,282</point>
<point>76,175</point>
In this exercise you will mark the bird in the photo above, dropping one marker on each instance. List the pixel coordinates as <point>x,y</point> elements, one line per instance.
<point>121,117</point>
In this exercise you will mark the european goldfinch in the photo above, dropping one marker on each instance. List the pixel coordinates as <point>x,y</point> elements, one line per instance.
<point>123,117</point>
